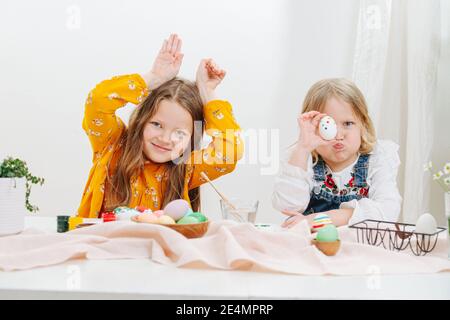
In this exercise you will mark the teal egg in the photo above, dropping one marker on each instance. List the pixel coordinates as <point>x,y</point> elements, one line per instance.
<point>187,220</point>
<point>189,212</point>
<point>120,210</point>
<point>328,233</point>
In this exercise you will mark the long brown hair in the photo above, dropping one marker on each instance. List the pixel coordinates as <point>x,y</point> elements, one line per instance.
<point>342,88</point>
<point>131,161</point>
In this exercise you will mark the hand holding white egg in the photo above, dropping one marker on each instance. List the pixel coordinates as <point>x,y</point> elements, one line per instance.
<point>310,133</point>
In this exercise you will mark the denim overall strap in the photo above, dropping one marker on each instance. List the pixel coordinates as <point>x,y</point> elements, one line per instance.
<point>320,200</point>
<point>319,170</point>
<point>361,170</point>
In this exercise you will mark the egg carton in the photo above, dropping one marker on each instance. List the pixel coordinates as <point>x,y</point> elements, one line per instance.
<point>396,236</point>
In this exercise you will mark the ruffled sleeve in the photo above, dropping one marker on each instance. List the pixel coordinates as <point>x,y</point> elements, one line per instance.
<point>384,200</point>
<point>293,186</point>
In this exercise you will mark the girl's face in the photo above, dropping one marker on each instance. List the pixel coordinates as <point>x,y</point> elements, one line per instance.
<point>168,132</point>
<point>348,139</point>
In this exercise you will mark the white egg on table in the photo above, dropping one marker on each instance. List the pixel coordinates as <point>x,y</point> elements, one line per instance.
<point>327,128</point>
<point>426,224</point>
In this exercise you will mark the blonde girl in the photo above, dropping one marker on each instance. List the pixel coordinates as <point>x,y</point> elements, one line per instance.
<point>350,178</point>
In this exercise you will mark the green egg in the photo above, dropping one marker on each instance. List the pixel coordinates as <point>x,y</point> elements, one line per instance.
<point>189,212</point>
<point>197,215</point>
<point>327,234</point>
<point>187,220</point>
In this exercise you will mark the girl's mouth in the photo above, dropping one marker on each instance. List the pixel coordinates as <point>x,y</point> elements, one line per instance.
<point>160,148</point>
<point>338,146</point>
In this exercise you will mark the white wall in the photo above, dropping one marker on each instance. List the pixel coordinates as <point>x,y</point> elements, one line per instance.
<point>273,51</point>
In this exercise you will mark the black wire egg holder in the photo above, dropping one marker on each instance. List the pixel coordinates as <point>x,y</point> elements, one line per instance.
<point>399,235</point>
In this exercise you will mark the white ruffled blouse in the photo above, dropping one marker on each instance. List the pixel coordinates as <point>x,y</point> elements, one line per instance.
<point>293,185</point>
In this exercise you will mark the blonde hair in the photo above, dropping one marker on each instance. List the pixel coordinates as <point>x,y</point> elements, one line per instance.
<point>131,160</point>
<point>344,89</point>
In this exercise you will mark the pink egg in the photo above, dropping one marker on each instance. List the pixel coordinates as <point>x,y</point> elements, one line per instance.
<point>147,218</point>
<point>158,213</point>
<point>177,209</point>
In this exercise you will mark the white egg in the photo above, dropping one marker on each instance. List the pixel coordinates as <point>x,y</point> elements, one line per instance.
<point>426,224</point>
<point>327,128</point>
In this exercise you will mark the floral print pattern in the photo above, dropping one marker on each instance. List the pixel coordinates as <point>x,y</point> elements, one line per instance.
<point>350,189</point>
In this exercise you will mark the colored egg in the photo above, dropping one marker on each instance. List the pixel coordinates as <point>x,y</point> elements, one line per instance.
<point>188,220</point>
<point>197,215</point>
<point>120,210</point>
<point>147,218</point>
<point>158,213</point>
<point>125,213</point>
<point>328,233</point>
<point>141,208</point>
<point>426,224</point>
<point>320,221</point>
<point>166,220</point>
<point>177,208</point>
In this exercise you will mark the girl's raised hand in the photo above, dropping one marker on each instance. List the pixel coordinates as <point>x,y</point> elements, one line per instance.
<point>209,76</point>
<point>168,61</point>
<point>309,131</point>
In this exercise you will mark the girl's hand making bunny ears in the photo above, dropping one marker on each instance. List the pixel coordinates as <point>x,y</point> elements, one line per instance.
<point>309,131</point>
<point>167,63</point>
<point>209,76</point>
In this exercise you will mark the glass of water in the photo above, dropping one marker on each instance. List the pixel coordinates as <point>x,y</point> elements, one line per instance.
<point>244,210</point>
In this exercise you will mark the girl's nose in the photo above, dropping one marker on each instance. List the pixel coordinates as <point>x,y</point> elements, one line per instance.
<point>340,133</point>
<point>166,137</point>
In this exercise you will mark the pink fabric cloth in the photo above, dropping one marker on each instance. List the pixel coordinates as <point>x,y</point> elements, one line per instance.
<point>227,245</point>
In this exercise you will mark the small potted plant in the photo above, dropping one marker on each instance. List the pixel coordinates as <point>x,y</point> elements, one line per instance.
<point>15,190</point>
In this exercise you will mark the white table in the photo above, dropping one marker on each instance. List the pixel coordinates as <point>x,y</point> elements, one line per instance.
<point>144,279</point>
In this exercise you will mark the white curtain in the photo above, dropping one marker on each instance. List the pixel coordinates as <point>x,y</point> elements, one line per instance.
<point>395,65</point>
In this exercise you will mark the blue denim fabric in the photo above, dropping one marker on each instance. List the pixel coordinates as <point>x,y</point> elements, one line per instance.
<point>323,201</point>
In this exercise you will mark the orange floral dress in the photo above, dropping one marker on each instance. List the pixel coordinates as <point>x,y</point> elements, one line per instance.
<point>104,130</point>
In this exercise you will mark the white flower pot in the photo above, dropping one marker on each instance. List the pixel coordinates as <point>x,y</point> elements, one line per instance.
<point>12,205</point>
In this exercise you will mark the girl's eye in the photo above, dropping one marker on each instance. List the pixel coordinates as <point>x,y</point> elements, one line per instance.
<point>348,123</point>
<point>155,124</point>
<point>181,134</point>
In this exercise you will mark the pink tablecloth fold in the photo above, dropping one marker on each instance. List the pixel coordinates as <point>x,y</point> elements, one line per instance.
<point>227,245</point>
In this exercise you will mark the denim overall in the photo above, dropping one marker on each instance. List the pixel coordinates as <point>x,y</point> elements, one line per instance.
<point>322,200</point>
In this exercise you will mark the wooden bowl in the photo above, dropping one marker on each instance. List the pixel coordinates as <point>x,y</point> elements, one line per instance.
<point>328,248</point>
<point>191,230</point>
